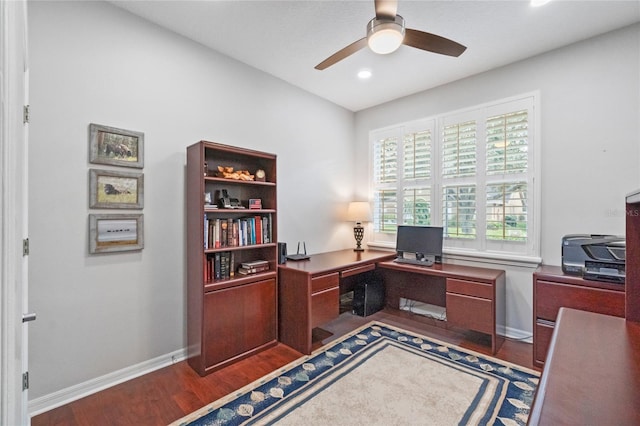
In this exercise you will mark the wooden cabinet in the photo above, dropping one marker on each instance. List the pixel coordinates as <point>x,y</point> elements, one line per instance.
<point>552,290</point>
<point>230,315</point>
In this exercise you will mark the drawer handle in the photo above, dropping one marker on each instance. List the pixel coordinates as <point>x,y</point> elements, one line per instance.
<point>356,271</point>
<point>326,290</point>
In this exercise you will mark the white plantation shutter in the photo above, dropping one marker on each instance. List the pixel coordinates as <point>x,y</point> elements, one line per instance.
<point>507,211</point>
<point>471,172</point>
<point>417,155</point>
<point>402,160</point>
<point>459,211</point>
<point>459,150</point>
<point>507,147</point>
<point>385,211</point>
<point>416,206</point>
<point>507,143</point>
<point>385,166</point>
<point>385,159</point>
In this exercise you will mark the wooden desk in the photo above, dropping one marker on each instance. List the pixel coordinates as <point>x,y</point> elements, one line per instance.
<point>474,297</point>
<point>309,291</point>
<point>592,372</point>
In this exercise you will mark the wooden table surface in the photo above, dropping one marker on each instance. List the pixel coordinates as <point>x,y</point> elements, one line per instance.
<point>592,373</point>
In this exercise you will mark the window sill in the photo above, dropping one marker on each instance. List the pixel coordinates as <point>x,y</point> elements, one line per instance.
<point>478,257</point>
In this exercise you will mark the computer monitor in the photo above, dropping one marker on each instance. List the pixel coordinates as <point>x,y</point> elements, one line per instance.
<point>420,242</point>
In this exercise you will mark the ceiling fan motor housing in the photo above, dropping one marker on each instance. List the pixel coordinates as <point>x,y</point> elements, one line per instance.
<point>385,35</point>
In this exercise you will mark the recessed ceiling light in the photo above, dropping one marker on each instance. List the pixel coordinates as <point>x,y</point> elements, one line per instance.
<point>364,74</point>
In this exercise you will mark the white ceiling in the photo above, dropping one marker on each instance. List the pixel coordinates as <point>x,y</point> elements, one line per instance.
<point>288,38</point>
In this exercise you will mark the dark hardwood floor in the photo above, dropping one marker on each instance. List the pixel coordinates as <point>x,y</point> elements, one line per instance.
<point>165,395</point>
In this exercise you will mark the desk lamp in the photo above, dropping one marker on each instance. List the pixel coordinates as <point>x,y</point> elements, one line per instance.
<point>358,212</point>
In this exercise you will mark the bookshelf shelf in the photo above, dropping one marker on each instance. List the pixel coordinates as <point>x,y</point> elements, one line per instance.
<point>225,181</point>
<point>230,315</point>
<point>236,281</point>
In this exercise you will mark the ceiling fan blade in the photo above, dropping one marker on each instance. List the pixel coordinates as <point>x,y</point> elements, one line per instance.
<point>341,54</point>
<point>432,43</point>
<point>386,9</point>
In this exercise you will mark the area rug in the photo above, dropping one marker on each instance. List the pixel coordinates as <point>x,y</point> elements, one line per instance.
<point>381,375</point>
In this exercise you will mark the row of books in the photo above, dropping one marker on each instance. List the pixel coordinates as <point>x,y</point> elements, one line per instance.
<point>222,265</point>
<point>229,232</point>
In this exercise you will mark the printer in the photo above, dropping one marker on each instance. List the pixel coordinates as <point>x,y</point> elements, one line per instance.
<point>594,257</point>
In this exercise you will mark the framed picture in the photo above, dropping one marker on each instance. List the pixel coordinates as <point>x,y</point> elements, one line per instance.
<point>115,232</point>
<point>110,189</point>
<point>117,147</point>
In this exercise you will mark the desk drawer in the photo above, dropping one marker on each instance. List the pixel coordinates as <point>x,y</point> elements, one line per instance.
<point>325,306</point>
<point>470,312</point>
<point>470,288</point>
<point>357,270</point>
<point>543,332</point>
<point>550,297</point>
<point>324,282</point>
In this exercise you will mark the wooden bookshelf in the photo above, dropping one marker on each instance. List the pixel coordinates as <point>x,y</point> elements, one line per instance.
<point>230,315</point>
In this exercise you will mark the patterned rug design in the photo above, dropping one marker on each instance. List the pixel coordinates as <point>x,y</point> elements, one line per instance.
<point>384,375</point>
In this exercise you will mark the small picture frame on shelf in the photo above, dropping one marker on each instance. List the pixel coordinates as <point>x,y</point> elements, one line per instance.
<point>115,233</point>
<point>109,189</point>
<point>255,204</point>
<point>116,147</point>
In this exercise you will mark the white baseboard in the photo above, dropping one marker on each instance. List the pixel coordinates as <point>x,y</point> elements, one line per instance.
<point>516,334</point>
<point>75,392</point>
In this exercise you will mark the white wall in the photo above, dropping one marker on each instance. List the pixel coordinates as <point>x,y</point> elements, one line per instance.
<point>94,63</point>
<point>590,139</point>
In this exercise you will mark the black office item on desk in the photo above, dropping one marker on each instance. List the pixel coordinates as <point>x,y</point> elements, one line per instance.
<point>282,253</point>
<point>368,297</point>
<point>419,245</point>
<point>298,255</point>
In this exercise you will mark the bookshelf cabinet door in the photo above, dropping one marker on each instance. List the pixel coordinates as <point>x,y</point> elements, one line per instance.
<point>238,320</point>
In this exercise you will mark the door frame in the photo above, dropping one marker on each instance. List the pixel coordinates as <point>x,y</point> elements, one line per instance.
<point>13,211</point>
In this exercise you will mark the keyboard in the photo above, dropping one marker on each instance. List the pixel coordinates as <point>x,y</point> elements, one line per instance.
<point>426,262</point>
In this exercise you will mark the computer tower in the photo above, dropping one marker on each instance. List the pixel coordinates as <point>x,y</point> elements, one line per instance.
<point>368,297</point>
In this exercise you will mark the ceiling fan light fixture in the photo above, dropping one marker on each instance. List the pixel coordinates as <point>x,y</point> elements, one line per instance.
<point>385,35</point>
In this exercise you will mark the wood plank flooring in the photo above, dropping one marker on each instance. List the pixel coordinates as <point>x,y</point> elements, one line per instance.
<point>165,395</point>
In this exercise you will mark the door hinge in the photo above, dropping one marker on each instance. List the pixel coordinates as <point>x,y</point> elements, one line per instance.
<point>25,114</point>
<point>25,247</point>
<point>25,380</point>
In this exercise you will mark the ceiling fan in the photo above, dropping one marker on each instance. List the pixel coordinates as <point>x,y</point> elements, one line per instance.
<point>386,32</point>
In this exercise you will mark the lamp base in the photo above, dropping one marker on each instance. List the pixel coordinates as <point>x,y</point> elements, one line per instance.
<point>358,233</point>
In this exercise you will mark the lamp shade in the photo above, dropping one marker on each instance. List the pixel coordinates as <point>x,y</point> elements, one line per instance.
<point>359,211</point>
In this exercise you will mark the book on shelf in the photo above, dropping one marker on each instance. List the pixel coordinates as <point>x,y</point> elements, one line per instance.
<point>216,266</point>
<point>237,232</point>
<point>219,266</point>
<point>254,264</point>
<point>247,271</point>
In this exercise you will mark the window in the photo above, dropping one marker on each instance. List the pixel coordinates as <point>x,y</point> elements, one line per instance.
<point>471,172</point>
